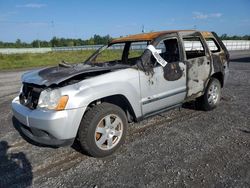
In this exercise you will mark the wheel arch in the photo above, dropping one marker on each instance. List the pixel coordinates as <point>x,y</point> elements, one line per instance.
<point>118,100</point>
<point>219,76</point>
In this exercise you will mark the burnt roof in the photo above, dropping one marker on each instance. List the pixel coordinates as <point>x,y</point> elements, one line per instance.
<point>207,34</point>
<point>146,36</point>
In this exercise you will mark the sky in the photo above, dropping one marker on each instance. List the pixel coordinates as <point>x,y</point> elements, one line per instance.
<point>42,19</point>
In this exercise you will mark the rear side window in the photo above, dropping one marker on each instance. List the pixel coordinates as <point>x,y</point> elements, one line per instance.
<point>193,47</point>
<point>213,45</point>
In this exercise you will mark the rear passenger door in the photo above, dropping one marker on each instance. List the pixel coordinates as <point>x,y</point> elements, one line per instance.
<point>198,60</point>
<point>219,56</point>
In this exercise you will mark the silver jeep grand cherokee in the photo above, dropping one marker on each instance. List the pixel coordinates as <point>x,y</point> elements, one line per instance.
<point>94,101</point>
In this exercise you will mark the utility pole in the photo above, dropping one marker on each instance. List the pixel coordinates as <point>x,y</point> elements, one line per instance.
<point>53,28</point>
<point>143,30</point>
<point>53,31</point>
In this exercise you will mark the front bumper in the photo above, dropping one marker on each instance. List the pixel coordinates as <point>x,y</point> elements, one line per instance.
<point>54,128</point>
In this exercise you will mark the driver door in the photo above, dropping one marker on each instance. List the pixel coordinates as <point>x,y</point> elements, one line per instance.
<point>162,88</point>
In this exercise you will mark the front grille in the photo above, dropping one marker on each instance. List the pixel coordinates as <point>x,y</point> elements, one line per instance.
<point>30,95</point>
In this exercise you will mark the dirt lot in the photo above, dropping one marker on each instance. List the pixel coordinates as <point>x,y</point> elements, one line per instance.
<point>186,148</point>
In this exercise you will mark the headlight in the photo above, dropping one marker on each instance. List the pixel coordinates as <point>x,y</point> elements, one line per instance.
<point>52,100</point>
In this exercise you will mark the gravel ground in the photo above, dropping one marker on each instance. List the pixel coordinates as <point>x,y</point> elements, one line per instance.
<point>180,148</point>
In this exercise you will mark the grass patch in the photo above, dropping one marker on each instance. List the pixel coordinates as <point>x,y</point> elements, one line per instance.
<point>16,61</point>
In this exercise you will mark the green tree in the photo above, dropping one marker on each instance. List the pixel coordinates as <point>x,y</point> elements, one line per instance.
<point>54,42</point>
<point>18,43</point>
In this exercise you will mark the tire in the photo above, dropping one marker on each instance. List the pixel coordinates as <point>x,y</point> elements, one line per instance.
<point>211,97</point>
<point>102,130</point>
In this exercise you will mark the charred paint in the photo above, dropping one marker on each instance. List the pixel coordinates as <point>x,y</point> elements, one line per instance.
<point>199,69</point>
<point>172,71</point>
<point>217,63</point>
<point>198,72</point>
<point>200,61</point>
<point>57,75</point>
<point>146,64</point>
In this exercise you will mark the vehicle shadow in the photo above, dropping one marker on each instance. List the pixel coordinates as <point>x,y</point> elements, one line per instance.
<point>77,147</point>
<point>15,168</point>
<point>192,105</point>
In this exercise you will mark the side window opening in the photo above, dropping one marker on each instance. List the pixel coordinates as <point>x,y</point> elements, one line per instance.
<point>193,47</point>
<point>169,50</point>
<point>212,45</point>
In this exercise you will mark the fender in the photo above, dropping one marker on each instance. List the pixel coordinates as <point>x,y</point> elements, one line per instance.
<point>127,84</point>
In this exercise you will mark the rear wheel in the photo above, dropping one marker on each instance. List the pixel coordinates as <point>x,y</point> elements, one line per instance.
<point>212,95</point>
<point>102,130</point>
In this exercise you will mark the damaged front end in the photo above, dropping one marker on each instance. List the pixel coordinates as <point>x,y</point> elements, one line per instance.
<point>37,83</point>
<point>50,99</point>
<point>57,75</point>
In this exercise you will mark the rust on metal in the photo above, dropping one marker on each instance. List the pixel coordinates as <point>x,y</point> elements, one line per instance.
<point>207,34</point>
<point>144,36</point>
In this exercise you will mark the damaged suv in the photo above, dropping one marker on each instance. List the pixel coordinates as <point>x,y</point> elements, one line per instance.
<point>129,79</point>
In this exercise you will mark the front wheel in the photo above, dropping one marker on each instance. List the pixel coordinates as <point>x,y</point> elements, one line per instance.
<point>102,130</point>
<point>212,95</point>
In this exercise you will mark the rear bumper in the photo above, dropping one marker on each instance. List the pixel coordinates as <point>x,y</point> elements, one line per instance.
<point>54,128</point>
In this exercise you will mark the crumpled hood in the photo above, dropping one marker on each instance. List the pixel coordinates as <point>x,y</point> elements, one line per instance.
<point>58,74</point>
